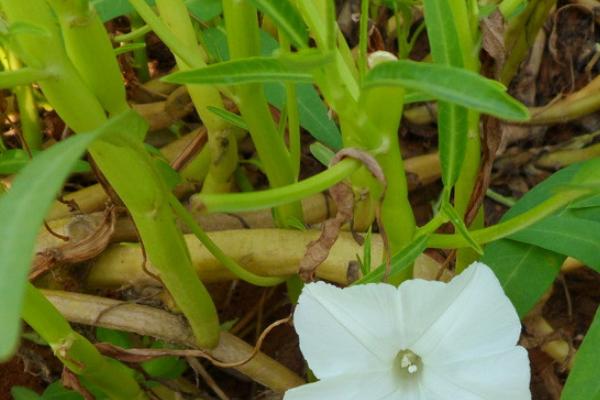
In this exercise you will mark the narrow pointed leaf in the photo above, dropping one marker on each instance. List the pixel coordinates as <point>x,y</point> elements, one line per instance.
<point>230,117</point>
<point>295,68</point>
<point>401,263</point>
<point>22,212</point>
<point>460,226</point>
<point>453,128</point>
<point>446,49</point>
<point>287,19</point>
<point>23,76</point>
<point>450,84</point>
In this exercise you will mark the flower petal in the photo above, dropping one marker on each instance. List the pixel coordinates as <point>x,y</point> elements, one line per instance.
<point>367,386</point>
<point>499,377</point>
<point>474,318</point>
<point>347,331</point>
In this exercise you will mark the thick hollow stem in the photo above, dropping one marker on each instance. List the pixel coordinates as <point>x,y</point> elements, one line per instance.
<point>243,38</point>
<point>221,138</point>
<point>264,252</point>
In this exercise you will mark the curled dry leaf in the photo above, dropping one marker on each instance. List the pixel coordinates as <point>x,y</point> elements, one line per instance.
<point>343,197</point>
<point>71,381</point>
<point>86,241</point>
<point>318,250</point>
<point>492,138</point>
<point>492,29</point>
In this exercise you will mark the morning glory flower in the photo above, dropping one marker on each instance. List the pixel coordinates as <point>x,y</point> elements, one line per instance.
<point>424,340</point>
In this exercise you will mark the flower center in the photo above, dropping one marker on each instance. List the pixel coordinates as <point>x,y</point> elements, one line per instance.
<point>407,363</point>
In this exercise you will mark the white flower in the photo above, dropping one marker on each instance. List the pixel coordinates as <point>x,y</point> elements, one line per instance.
<point>422,341</point>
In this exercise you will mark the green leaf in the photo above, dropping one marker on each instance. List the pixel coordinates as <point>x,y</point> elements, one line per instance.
<point>167,173</point>
<point>22,211</point>
<point>417,97</point>
<point>459,225</point>
<point>294,285</point>
<point>227,325</point>
<point>109,9</point>
<point>56,391</point>
<point>453,128</point>
<point>287,19</point>
<point>446,49</point>
<point>314,114</point>
<point>401,263</point>
<point>583,382</point>
<point>23,393</point>
<point>293,68</point>
<point>451,84</point>
<point>126,48</point>
<point>527,271</point>
<point>13,160</point>
<point>230,117</point>
<point>322,153</point>
<point>566,235</point>
<point>167,367</point>
<point>366,264</point>
<point>205,10</point>
<point>524,271</point>
<point>118,338</point>
<point>443,34</point>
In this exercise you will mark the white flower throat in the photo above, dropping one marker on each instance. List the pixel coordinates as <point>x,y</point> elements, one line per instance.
<point>407,363</point>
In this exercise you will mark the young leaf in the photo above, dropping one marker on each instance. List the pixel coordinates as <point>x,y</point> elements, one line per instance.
<point>453,127</point>
<point>583,382</point>
<point>446,49</point>
<point>287,18</point>
<point>451,84</point>
<point>230,117</point>
<point>254,70</point>
<point>459,225</point>
<point>126,48</point>
<point>13,160</point>
<point>322,153</point>
<point>22,212</point>
<point>23,76</point>
<point>401,263</point>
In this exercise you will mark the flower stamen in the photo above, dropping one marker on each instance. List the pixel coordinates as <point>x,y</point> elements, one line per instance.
<point>407,362</point>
